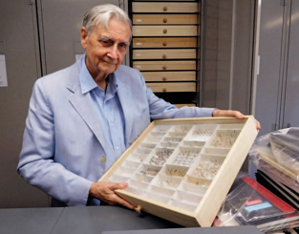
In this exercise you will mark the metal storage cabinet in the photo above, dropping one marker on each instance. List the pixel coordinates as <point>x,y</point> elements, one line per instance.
<point>164,48</point>
<point>276,104</point>
<point>19,45</point>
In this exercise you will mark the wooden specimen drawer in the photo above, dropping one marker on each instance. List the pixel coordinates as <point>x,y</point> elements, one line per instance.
<point>165,19</point>
<point>166,7</point>
<point>187,30</point>
<point>182,169</point>
<point>169,76</point>
<point>165,42</point>
<point>165,54</point>
<point>164,65</point>
<point>167,87</point>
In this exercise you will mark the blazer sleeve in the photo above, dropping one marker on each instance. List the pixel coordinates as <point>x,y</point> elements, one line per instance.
<point>36,162</point>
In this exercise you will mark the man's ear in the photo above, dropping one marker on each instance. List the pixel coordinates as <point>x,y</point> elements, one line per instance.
<point>84,37</point>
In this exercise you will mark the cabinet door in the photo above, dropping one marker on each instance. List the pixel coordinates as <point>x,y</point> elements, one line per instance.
<point>19,46</point>
<point>291,112</point>
<point>267,95</point>
<point>61,23</point>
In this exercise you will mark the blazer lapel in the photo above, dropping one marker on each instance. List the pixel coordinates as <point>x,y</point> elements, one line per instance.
<point>125,101</point>
<point>83,105</point>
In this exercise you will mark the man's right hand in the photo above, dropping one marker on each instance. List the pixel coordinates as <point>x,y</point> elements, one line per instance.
<point>104,191</point>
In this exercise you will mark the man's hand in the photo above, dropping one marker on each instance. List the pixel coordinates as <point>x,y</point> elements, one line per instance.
<point>232,113</point>
<point>104,191</point>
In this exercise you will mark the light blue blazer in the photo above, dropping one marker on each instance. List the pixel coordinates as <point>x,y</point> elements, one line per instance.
<point>63,142</point>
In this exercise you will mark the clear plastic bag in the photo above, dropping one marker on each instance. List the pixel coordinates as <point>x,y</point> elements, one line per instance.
<point>281,146</point>
<point>249,203</point>
<point>285,147</point>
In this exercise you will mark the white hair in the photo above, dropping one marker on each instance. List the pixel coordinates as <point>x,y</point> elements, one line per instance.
<point>100,15</point>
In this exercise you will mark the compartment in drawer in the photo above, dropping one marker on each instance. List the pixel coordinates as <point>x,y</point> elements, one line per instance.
<point>198,189</point>
<point>166,144</point>
<point>223,138</point>
<point>116,178</point>
<point>159,156</point>
<point>137,185</point>
<point>124,171</point>
<point>160,129</point>
<point>156,197</point>
<point>166,181</point>
<point>153,139</point>
<point>174,170</point>
<point>173,139</point>
<point>147,146</point>
<point>188,143</point>
<point>187,197</point>
<point>130,164</point>
<point>161,191</point>
<point>207,166</point>
<point>142,178</point>
<point>201,132</point>
<point>215,151</point>
<point>184,156</point>
<point>137,157</point>
<point>148,170</point>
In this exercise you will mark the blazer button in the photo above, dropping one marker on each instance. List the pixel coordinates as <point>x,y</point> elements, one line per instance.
<point>103,159</point>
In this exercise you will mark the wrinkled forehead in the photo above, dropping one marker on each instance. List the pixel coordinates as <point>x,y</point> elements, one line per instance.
<point>115,28</point>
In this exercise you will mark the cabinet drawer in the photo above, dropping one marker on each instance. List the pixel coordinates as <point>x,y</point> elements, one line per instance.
<point>165,19</point>
<point>164,65</point>
<point>165,7</point>
<point>165,54</point>
<point>169,76</point>
<point>172,87</point>
<point>188,30</point>
<point>165,42</point>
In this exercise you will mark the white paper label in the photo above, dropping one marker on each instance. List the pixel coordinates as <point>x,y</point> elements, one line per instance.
<point>3,74</point>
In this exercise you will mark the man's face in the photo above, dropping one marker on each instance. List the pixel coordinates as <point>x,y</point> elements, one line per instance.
<point>105,49</point>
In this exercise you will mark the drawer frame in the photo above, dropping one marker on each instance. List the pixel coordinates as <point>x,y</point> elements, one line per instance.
<point>208,207</point>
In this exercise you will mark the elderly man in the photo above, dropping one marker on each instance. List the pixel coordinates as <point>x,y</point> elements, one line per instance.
<point>82,118</point>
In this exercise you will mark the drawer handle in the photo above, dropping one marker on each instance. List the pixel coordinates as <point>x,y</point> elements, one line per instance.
<point>164,43</point>
<point>164,90</point>
<point>164,78</point>
<point>164,20</point>
<point>164,56</point>
<point>164,67</point>
<point>165,31</point>
<point>165,8</point>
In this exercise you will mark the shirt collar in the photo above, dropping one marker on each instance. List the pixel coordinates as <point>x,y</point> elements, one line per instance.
<point>87,82</point>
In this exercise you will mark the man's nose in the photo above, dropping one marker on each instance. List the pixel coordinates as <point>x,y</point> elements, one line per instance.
<point>113,52</point>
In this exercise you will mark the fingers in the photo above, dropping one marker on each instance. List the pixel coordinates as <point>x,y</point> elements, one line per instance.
<point>105,191</point>
<point>232,113</point>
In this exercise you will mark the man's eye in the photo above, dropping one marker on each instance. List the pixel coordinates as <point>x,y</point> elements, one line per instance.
<point>123,45</point>
<point>106,42</point>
